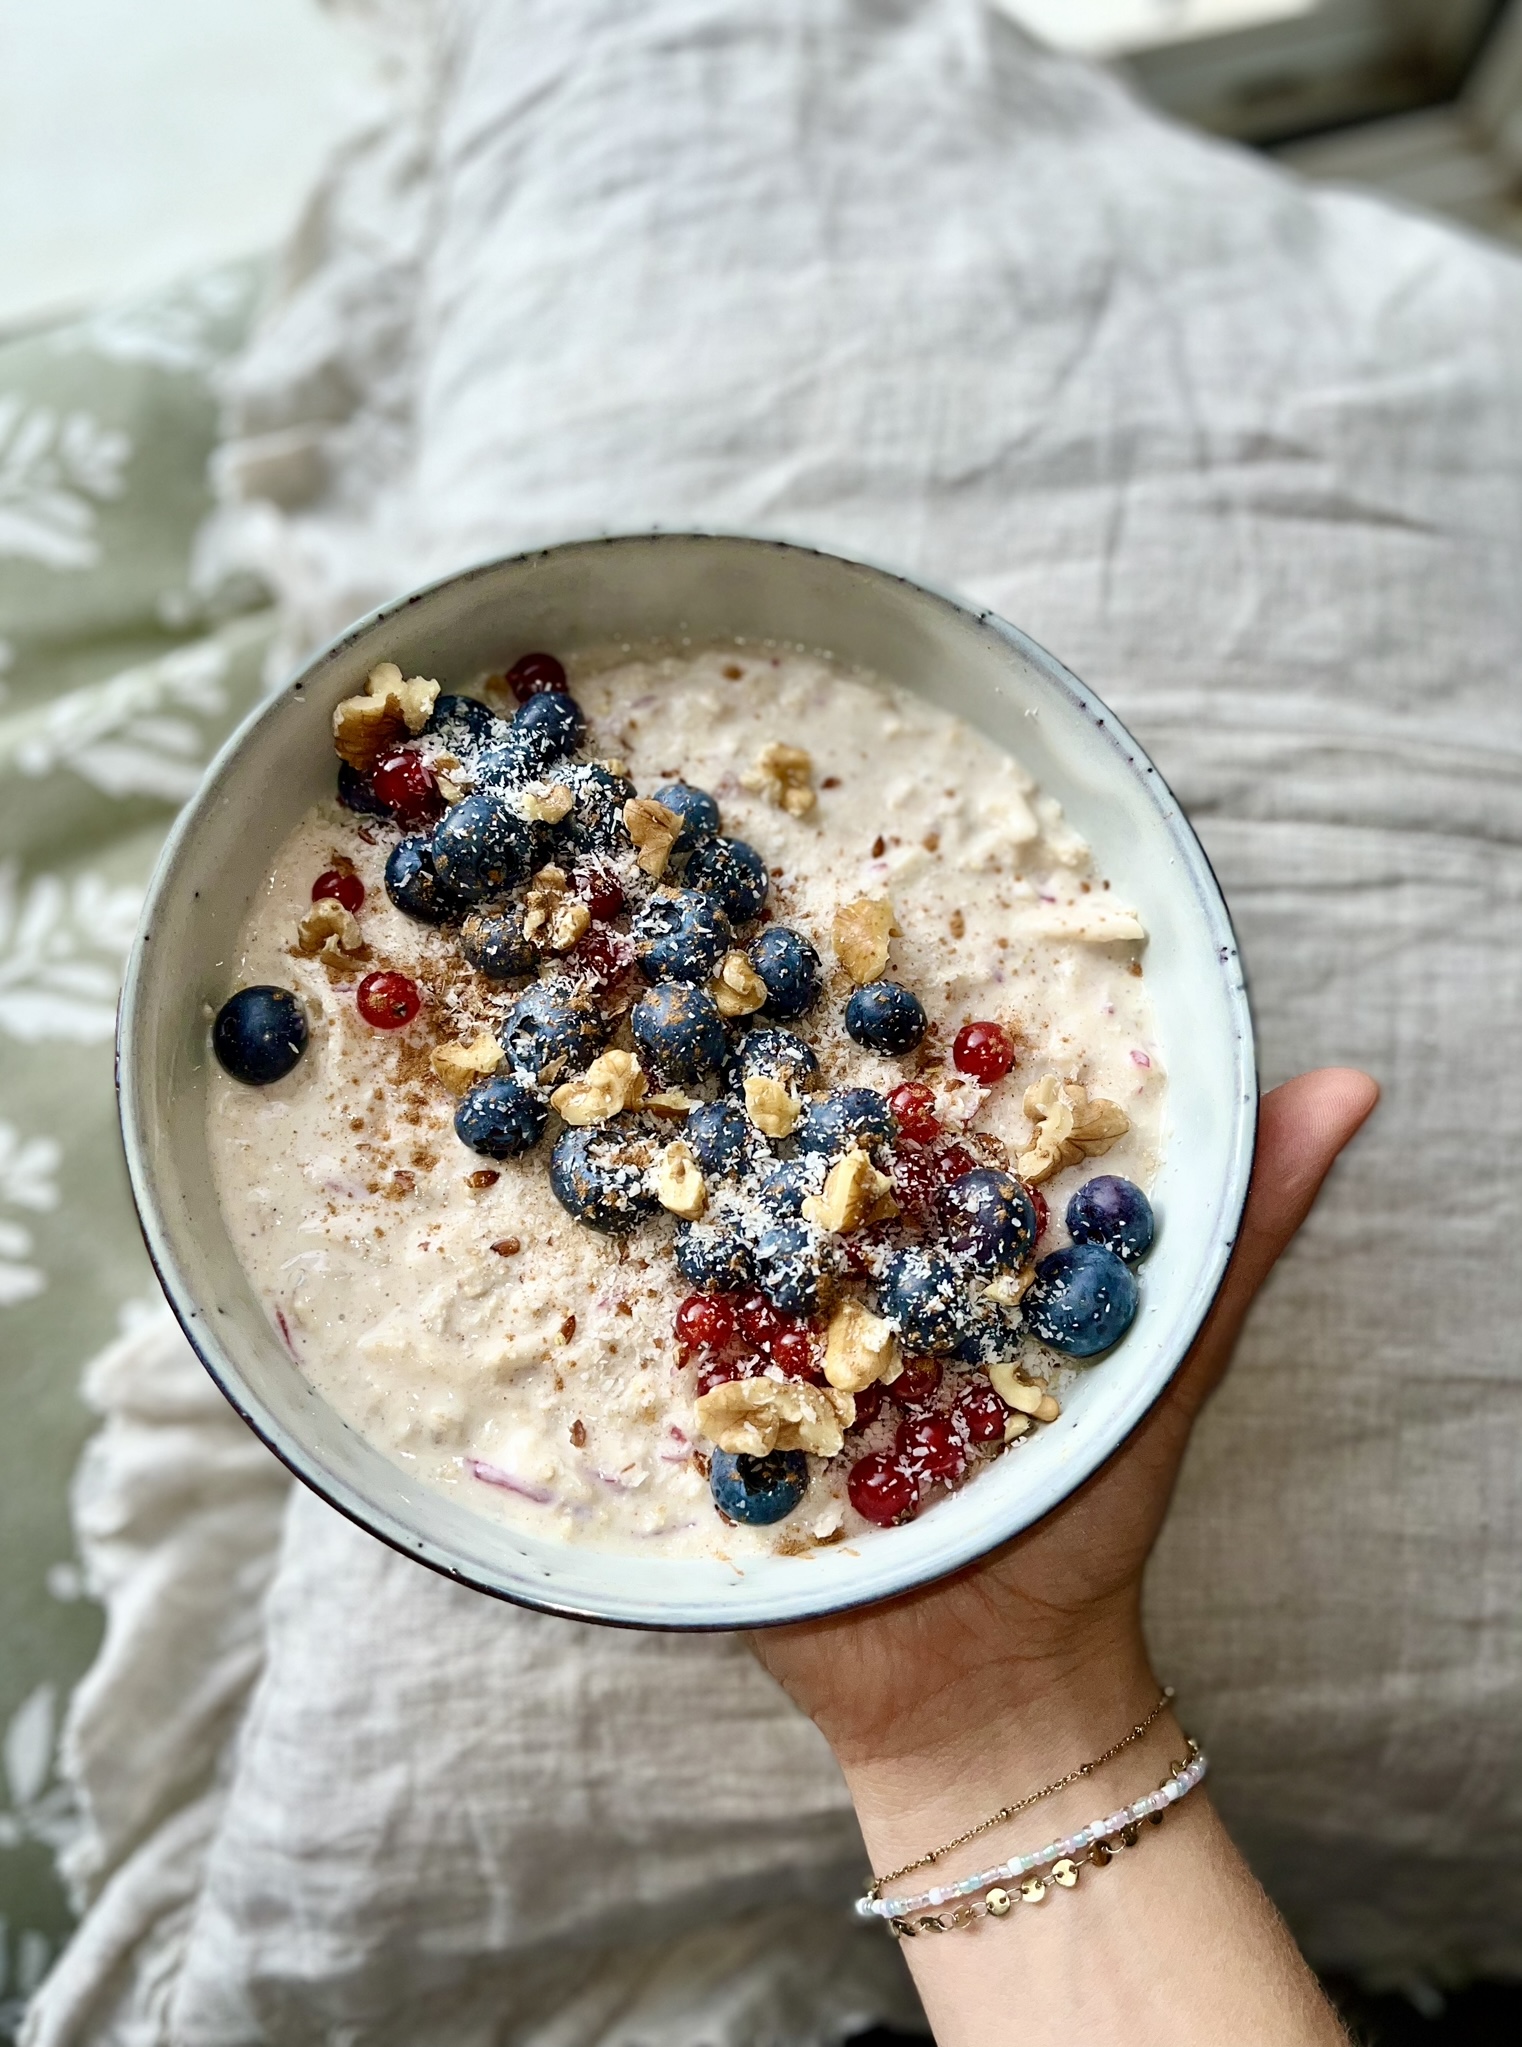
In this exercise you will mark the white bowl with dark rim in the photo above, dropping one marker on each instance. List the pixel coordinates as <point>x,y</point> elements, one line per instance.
<point>703,588</point>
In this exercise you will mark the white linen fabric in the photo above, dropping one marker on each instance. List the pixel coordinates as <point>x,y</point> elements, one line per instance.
<point>882,275</point>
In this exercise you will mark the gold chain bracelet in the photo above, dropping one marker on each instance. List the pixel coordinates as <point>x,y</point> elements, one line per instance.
<point>1008,1812</point>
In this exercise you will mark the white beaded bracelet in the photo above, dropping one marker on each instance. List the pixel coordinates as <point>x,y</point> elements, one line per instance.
<point>1154,1804</point>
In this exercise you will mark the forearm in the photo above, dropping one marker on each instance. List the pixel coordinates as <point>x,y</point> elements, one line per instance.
<point>1172,1942</point>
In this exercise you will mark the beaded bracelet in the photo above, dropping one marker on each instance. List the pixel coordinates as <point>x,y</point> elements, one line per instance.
<point>1062,1860</point>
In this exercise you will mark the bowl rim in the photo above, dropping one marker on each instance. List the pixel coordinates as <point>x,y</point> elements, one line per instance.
<point>131,1046</point>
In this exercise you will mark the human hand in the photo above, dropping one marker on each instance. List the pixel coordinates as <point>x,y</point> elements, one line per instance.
<point>1051,1622</point>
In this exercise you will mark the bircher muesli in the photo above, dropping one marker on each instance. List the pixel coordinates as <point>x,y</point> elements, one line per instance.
<point>661,1096</point>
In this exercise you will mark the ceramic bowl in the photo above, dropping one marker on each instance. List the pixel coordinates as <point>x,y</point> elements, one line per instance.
<point>705,587</point>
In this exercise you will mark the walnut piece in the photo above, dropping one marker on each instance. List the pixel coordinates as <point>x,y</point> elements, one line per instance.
<point>654,829</point>
<point>784,775</point>
<point>461,1066</point>
<point>451,777</point>
<point>670,1102</point>
<point>328,930</point>
<point>552,918</point>
<point>546,803</point>
<point>1012,1389</point>
<point>1010,1288</point>
<point>679,1184</point>
<point>1066,1126</point>
<point>861,932</point>
<point>365,727</point>
<point>858,1348</point>
<point>753,1417</point>
<point>770,1107</point>
<point>854,1192</point>
<point>1021,1395</point>
<point>615,1081</point>
<point>737,989</point>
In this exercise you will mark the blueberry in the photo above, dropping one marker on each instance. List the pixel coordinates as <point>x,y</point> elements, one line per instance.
<point>733,873</point>
<point>758,1490</point>
<point>720,1139</point>
<point>498,769</point>
<point>259,1035</point>
<point>595,823</point>
<point>1082,1300</point>
<point>990,1219</point>
<point>771,1054</point>
<point>849,1115</point>
<point>356,792</point>
<point>414,885</point>
<point>790,967</point>
<point>680,1031</point>
<point>500,1118</point>
<point>680,936</point>
<point>697,810</point>
<point>464,724</point>
<point>790,1259</point>
<point>480,847</point>
<point>545,729</point>
<point>713,1256</point>
<point>598,1176</point>
<point>551,1032</point>
<point>885,1018</point>
<point>790,1183</point>
<point>1112,1212</point>
<point>494,944</point>
<point>923,1293</point>
<point>991,1336</point>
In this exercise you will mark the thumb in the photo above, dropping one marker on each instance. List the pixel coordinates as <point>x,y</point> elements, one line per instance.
<point>1302,1126</point>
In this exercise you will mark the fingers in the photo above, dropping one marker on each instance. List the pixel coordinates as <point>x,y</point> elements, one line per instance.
<point>1302,1126</point>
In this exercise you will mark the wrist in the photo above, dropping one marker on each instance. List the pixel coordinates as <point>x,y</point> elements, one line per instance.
<point>992,1740</point>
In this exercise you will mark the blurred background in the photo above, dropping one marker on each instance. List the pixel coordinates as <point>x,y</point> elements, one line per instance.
<point>140,139</point>
<point>148,142</point>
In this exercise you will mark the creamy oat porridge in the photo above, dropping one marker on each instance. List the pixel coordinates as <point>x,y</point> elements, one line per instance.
<point>663,1111</point>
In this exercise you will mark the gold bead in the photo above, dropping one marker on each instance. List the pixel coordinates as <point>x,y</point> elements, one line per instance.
<point>998,1902</point>
<point>1100,1854</point>
<point>1033,1890</point>
<point>1065,1872</point>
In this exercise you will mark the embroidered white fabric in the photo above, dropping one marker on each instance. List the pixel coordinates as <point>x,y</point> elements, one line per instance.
<point>880,274</point>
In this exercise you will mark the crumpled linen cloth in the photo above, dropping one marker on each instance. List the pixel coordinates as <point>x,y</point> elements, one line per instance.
<point>882,275</point>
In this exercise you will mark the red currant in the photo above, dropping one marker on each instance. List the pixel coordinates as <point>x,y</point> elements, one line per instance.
<point>1038,1202</point>
<point>705,1322</point>
<point>388,1000</point>
<point>868,1401</point>
<point>930,1445</point>
<point>984,1050</point>
<point>954,1161</point>
<point>916,1385</point>
<point>981,1412</point>
<point>881,1489</point>
<point>405,783</point>
<point>347,889</point>
<point>533,675</point>
<point>601,954</point>
<point>793,1349</point>
<point>599,889</point>
<point>913,1106</point>
<point>719,1372</point>
<point>758,1319</point>
<point>915,1176</point>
